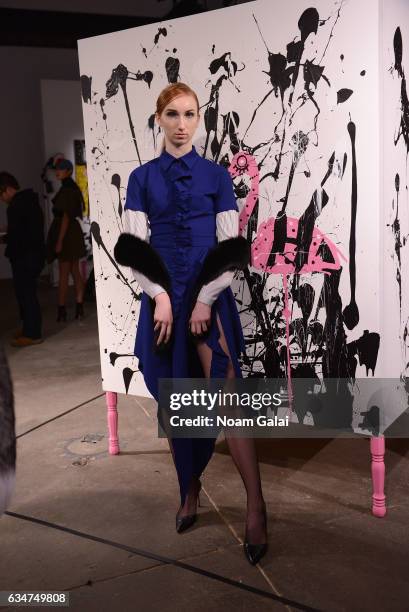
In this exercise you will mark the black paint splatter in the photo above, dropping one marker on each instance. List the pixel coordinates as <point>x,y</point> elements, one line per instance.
<point>404,123</point>
<point>172,66</point>
<point>280,75</point>
<point>398,243</point>
<point>97,152</point>
<point>96,234</point>
<point>225,62</point>
<point>127,374</point>
<point>86,87</point>
<point>398,50</point>
<point>146,76</point>
<point>343,95</point>
<point>351,311</point>
<point>228,69</point>
<point>161,31</point>
<point>116,182</point>
<point>118,79</point>
<point>284,71</point>
<point>114,356</point>
<point>308,23</point>
<point>102,105</point>
<point>367,348</point>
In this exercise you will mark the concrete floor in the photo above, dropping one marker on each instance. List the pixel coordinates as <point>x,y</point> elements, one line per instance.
<point>326,550</point>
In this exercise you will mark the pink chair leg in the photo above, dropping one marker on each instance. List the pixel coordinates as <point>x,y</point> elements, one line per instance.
<point>378,476</point>
<point>112,400</point>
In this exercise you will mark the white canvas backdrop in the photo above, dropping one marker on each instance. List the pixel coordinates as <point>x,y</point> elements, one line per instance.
<point>233,58</point>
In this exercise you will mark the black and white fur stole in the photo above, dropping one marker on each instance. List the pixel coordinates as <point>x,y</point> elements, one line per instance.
<point>230,254</point>
<point>138,254</point>
<point>141,256</point>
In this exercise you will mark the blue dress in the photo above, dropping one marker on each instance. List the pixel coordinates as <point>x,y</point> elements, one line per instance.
<point>181,197</point>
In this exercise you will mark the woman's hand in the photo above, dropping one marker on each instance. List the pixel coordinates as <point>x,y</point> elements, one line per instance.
<point>200,318</point>
<point>163,317</point>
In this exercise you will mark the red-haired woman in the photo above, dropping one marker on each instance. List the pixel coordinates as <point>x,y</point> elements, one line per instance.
<point>189,205</point>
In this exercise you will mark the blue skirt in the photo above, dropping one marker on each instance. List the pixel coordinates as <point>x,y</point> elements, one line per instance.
<point>182,361</point>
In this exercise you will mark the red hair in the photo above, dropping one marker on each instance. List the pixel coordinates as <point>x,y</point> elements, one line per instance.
<point>171,92</point>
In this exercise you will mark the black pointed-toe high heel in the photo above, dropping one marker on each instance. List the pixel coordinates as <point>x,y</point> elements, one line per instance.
<point>184,522</point>
<point>254,552</point>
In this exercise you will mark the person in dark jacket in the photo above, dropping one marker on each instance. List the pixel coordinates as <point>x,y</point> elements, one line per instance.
<point>26,252</point>
<point>65,239</point>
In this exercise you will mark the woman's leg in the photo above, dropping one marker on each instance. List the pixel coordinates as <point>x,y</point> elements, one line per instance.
<point>64,271</point>
<point>78,282</point>
<point>243,452</point>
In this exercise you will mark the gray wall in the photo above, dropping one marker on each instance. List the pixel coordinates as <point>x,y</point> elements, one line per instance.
<point>22,151</point>
<point>22,145</point>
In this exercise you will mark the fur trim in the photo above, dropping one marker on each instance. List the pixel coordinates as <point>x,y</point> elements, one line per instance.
<point>141,256</point>
<point>231,254</point>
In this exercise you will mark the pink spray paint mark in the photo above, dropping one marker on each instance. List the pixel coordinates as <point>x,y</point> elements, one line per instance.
<point>244,164</point>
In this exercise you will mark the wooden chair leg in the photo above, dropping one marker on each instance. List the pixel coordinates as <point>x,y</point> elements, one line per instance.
<point>378,476</point>
<point>112,401</point>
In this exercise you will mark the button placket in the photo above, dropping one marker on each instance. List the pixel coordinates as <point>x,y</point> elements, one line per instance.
<point>180,190</point>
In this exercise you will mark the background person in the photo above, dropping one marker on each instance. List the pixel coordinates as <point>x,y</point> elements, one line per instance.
<point>26,252</point>
<point>65,239</point>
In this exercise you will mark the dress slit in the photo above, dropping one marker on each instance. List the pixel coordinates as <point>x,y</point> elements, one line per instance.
<point>191,454</point>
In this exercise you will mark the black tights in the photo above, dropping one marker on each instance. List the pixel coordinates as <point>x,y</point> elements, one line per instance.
<point>243,452</point>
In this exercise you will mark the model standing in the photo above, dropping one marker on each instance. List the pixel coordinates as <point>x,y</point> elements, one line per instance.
<point>189,205</point>
<point>65,238</point>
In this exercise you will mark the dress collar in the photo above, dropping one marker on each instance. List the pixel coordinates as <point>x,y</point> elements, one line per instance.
<point>189,159</point>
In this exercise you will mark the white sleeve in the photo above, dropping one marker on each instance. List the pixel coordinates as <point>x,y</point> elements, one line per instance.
<point>227,225</point>
<point>136,223</point>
